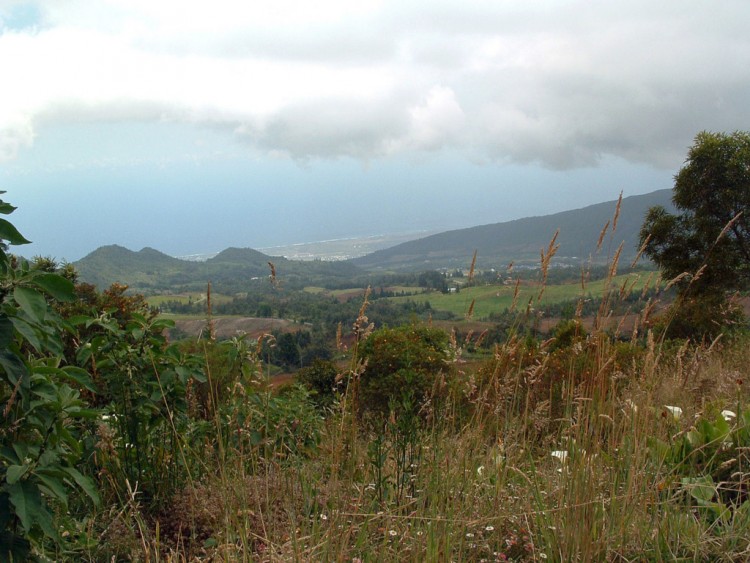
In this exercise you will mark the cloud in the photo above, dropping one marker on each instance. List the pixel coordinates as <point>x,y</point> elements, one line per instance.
<point>561,84</point>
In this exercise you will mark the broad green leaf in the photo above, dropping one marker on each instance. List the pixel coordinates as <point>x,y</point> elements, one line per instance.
<point>57,286</point>
<point>10,233</point>
<point>161,324</point>
<point>84,482</point>
<point>32,302</point>
<point>15,472</point>
<point>70,373</point>
<point>6,332</point>
<point>6,208</point>
<point>54,484</point>
<point>29,333</point>
<point>27,500</point>
<point>700,488</point>
<point>13,365</point>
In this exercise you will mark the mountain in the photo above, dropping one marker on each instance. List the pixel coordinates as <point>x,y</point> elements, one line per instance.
<point>149,270</point>
<point>113,263</point>
<point>521,240</point>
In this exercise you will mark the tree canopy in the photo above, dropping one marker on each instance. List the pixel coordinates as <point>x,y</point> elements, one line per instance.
<point>712,193</point>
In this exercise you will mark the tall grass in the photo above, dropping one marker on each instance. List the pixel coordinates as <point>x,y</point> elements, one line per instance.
<point>544,453</point>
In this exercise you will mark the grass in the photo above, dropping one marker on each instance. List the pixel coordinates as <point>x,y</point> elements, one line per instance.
<point>496,298</point>
<point>547,451</point>
<point>183,298</point>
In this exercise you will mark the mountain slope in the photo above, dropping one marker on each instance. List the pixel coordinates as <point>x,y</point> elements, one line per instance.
<point>521,240</point>
<point>146,268</point>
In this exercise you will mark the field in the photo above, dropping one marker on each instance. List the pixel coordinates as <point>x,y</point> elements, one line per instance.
<point>496,298</point>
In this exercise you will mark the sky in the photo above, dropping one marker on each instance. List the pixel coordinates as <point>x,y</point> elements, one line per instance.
<point>193,126</point>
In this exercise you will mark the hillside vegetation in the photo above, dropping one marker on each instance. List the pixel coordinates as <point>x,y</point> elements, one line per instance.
<point>387,438</point>
<point>497,245</point>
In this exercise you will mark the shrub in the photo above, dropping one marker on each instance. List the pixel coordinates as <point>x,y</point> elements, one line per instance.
<point>402,367</point>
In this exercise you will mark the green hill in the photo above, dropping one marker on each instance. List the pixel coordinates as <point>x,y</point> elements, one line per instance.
<point>521,240</point>
<point>151,271</point>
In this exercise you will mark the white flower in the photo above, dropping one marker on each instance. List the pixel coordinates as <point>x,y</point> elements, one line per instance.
<point>676,411</point>
<point>489,528</point>
<point>728,415</point>
<point>393,532</point>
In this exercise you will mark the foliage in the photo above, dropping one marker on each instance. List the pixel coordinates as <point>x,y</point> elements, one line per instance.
<point>708,242</point>
<point>320,379</point>
<point>143,383</point>
<point>402,365</point>
<point>41,412</point>
<point>704,461</point>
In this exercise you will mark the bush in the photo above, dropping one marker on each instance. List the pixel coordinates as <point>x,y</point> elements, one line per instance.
<point>320,379</point>
<point>402,367</point>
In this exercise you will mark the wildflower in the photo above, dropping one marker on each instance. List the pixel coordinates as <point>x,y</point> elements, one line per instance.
<point>469,535</point>
<point>728,415</point>
<point>489,528</point>
<point>676,412</point>
<point>392,533</point>
<point>323,517</point>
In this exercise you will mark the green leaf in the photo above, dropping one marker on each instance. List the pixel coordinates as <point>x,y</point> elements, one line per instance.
<point>6,332</point>
<point>54,484</point>
<point>27,500</point>
<point>10,233</point>
<point>84,482</point>
<point>701,488</point>
<point>6,208</point>
<point>32,302</point>
<point>70,373</point>
<point>13,365</point>
<point>30,333</point>
<point>15,472</point>
<point>56,286</point>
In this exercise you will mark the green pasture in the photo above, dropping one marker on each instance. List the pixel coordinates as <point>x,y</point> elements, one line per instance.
<point>496,298</point>
<point>194,297</point>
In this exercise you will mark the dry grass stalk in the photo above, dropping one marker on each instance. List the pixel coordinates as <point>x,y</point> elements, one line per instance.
<point>516,291</point>
<point>470,313</point>
<point>615,260</point>
<point>617,213</point>
<point>211,326</point>
<point>641,250</point>
<point>601,236</point>
<point>728,226</point>
<point>546,258</point>
<point>677,279</point>
<point>471,268</point>
<point>339,337</point>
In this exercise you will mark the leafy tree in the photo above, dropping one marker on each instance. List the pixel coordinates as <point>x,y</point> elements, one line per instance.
<point>402,366</point>
<point>709,240</point>
<point>712,192</point>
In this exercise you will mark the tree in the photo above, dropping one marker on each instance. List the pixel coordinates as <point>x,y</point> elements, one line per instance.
<point>402,366</point>
<point>712,191</point>
<point>711,234</point>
